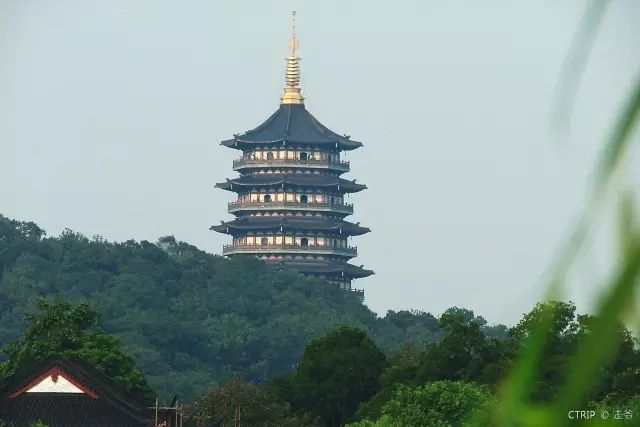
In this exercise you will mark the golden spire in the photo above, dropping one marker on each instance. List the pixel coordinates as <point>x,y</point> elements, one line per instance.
<point>291,93</point>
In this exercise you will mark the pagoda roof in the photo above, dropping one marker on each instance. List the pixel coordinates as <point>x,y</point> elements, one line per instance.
<point>70,393</point>
<point>262,223</point>
<point>330,268</point>
<point>293,179</point>
<point>293,124</point>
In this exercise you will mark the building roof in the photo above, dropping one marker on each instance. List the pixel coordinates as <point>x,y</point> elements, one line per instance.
<point>330,268</point>
<point>292,124</point>
<point>71,393</point>
<point>292,180</point>
<point>264,223</point>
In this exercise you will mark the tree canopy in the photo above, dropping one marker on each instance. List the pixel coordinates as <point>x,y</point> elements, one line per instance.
<point>191,320</point>
<point>62,329</point>
<point>338,372</point>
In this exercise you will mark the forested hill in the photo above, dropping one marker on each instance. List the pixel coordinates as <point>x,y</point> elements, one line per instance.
<point>190,319</point>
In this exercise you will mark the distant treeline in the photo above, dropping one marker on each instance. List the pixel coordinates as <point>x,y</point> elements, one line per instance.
<point>241,339</point>
<point>191,320</point>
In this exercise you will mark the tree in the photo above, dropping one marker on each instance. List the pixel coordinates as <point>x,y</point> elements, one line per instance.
<point>563,330</point>
<point>464,352</point>
<point>62,329</point>
<point>240,403</point>
<point>437,404</point>
<point>401,368</point>
<point>337,373</point>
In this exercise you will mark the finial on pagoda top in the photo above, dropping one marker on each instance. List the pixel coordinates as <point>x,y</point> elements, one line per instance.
<point>291,93</point>
<point>293,42</point>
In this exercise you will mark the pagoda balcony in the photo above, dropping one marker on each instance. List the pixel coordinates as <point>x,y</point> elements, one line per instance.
<point>349,251</point>
<point>343,208</point>
<point>242,163</point>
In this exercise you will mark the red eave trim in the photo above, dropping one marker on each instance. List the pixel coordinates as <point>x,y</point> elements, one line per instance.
<point>55,372</point>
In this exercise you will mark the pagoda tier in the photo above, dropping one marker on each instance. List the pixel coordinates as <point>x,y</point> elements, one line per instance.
<point>291,125</point>
<point>290,204</point>
<point>290,223</point>
<point>280,204</point>
<point>291,180</point>
<point>330,268</point>
<point>341,273</point>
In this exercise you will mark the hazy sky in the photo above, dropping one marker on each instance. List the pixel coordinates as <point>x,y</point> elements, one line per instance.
<point>111,113</point>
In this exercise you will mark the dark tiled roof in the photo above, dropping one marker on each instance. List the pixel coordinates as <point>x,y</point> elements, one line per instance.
<point>330,268</point>
<point>113,406</point>
<point>291,223</point>
<point>293,124</point>
<point>293,179</point>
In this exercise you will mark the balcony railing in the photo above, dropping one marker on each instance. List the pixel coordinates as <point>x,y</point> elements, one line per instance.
<point>318,249</point>
<point>241,163</point>
<point>346,208</point>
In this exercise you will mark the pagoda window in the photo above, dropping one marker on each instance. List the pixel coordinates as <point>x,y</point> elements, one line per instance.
<point>288,240</point>
<point>278,240</point>
<point>303,156</point>
<point>264,241</point>
<point>291,197</point>
<point>291,155</point>
<point>267,198</point>
<point>304,199</point>
<point>304,242</point>
<point>270,155</point>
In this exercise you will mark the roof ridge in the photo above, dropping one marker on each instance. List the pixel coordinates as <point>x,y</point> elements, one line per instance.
<point>265,123</point>
<point>286,128</point>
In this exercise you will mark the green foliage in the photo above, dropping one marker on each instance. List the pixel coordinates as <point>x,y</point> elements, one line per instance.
<point>383,421</point>
<point>337,372</point>
<point>190,319</point>
<point>402,368</point>
<point>437,404</point>
<point>464,353</point>
<point>35,424</point>
<point>237,401</point>
<point>61,329</point>
<point>623,413</point>
<point>604,345</point>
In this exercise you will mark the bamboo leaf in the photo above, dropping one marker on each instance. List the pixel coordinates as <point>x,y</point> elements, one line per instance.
<point>599,346</point>
<point>619,139</point>
<point>575,63</point>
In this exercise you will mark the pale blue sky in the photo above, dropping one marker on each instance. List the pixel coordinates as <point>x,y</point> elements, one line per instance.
<point>111,115</point>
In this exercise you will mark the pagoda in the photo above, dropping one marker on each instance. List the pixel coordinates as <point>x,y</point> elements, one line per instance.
<point>291,205</point>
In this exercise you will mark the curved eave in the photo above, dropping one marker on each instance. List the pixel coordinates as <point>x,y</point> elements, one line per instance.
<point>222,228</point>
<point>256,224</point>
<point>332,269</point>
<point>290,181</point>
<point>242,143</point>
